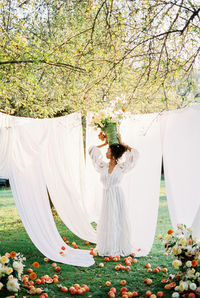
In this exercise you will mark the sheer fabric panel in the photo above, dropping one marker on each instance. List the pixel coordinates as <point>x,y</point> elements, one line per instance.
<point>181,147</point>
<point>26,142</point>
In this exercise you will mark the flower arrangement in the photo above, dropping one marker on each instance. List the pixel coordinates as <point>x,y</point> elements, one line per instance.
<point>104,118</point>
<point>186,252</point>
<point>11,269</point>
<point>108,121</point>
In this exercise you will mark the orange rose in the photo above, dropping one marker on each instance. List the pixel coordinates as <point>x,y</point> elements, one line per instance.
<point>33,275</point>
<point>36,265</point>
<point>170,232</point>
<point>13,254</point>
<point>194,263</point>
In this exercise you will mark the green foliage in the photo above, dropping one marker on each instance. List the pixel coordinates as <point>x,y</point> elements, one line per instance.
<point>57,56</point>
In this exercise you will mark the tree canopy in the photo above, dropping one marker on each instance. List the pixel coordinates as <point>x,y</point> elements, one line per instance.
<point>61,56</point>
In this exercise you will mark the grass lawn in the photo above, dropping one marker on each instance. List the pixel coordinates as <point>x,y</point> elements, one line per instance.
<point>14,237</point>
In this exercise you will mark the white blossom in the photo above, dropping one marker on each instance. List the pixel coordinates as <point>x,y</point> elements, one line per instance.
<point>193,286</point>
<point>188,264</point>
<point>175,295</point>
<point>13,285</point>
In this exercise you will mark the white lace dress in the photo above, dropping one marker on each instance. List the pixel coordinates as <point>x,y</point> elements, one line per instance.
<point>113,228</point>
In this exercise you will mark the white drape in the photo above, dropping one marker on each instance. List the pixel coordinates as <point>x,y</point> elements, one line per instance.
<point>26,145</point>
<point>181,148</point>
<point>142,185</point>
<point>36,154</point>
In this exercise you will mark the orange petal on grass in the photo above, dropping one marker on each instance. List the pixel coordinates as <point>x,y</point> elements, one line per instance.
<point>173,284</point>
<point>13,254</point>
<point>164,281</point>
<point>168,287</point>
<point>36,265</point>
<point>33,275</point>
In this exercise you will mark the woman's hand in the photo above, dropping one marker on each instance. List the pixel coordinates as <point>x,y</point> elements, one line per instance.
<point>128,147</point>
<point>102,136</point>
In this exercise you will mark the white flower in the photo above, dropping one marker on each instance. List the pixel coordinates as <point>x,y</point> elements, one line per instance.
<point>1,285</point>
<point>176,263</point>
<point>13,285</point>
<point>193,286</point>
<point>191,271</point>
<point>183,241</point>
<point>177,233</point>
<point>180,226</point>
<point>179,251</point>
<point>183,286</point>
<point>188,264</point>
<point>175,295</point>
<point>17,265</point>
<point>177,288</point>
<point>4,260</point>
<point>171,276</point>
<point>10,277</point>
<point>197,274</point>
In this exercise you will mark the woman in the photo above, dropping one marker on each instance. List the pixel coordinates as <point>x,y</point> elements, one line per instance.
<point>113,229</point>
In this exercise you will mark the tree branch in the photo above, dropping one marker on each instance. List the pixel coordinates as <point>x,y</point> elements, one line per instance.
<point>58,64</point>
<point>195,13</point>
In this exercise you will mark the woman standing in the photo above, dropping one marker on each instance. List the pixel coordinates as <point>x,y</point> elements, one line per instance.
<point>113,228</point>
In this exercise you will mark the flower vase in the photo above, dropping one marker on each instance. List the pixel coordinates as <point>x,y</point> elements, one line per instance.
<point>111,132</point>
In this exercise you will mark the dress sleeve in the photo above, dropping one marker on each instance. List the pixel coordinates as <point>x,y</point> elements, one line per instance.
<point>96,157</point>
<point>131,160</point>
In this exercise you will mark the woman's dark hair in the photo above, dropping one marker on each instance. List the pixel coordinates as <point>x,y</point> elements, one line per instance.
<point>117,150</point>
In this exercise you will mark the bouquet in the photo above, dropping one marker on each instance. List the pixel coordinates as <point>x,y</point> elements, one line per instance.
<point>11,269</point>
<point>186,252</point>
<point>108,123</point>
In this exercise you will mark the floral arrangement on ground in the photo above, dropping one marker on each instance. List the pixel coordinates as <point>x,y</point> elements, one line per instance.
<point>11,269</point>
<point>186,252</point>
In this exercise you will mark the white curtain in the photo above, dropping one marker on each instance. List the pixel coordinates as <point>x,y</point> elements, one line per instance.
<point>63,168</point>
<point>141,186</point>
<point>180,131</point>
<point>41,154</point>
<point>25,147</point>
